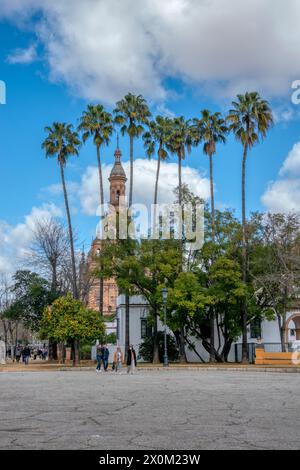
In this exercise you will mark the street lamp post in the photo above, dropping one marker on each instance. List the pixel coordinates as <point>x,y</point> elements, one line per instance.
<point>165,298</point>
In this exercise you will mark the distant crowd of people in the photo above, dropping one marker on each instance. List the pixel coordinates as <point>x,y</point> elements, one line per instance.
<point>24,353</point>
<point>102,355</point>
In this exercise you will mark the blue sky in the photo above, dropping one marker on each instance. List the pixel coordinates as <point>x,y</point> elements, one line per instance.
<point>49,79</point>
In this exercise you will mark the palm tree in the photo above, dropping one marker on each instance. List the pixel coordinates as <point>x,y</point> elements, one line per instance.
<point>179,142</point>
<point>249,119</point>
<point>97,123</point>
<point>62,142</point>
<point>132,113</point>
<point>157,136</point>
<point>211,129</point>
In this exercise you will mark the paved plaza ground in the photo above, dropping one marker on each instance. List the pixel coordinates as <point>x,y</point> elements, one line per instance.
<point>175,409</point>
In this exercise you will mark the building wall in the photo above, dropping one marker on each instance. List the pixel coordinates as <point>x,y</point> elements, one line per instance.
<point>110,288</point>
<point>139,308</point>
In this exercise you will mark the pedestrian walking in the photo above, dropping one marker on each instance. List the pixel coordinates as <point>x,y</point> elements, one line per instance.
<point>105,356</point>
<point>26,355</point>
<point>118,359</point>
<point>18,353</point>
<point>99,351</point>
<point>131,360</point>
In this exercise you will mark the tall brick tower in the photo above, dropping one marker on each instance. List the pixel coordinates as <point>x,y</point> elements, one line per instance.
<point>117,181</point>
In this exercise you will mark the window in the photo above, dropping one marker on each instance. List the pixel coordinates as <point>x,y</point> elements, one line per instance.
<point>292,332</point>
<point>146,330</point>
<point>255,328</point>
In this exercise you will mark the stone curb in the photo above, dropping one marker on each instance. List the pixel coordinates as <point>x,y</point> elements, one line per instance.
<point>294,369</point>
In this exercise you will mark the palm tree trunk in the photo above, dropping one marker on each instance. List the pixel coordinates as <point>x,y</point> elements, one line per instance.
<point>157,177</point>
<point>74,277</point>
<point>100,175</point>
<point>244,259</point>
<point>102,203</point>
<point>131,171</point>
<point>180,234</point>
<point>212,357</point>
<point>156,192</point>
<point>179,178</point>
<point>127,332</point>
<point>212,198</point>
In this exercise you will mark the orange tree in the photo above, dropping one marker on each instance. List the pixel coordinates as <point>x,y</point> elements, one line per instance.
<point>68,320</point>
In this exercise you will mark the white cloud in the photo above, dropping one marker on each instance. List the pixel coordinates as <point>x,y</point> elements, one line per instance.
<point>143,183</point>
<point>283,195</point>
<point>15,240</point>
<point>23,56</point>
<point>291,165</point>
<point>102,49</point>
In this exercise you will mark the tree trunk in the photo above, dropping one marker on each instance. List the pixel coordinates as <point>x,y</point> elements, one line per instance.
<point>75,291</point>
<point>127,332</point>
<point>282,330</point>
<point>245,358</point>
<point>180,234</point>
<point>54,277</point>
<point>212,198</point>
<point>76,352</point>
<point>100,176</point>
<point>156,191</point>
<point>212,357</point>
<point>182,353</point>
<point>102,204</point>
<point>131,172</point>
<point>155,359</point>
<point>52,350</point>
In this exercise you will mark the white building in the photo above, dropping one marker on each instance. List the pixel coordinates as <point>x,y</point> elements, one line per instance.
<point>267,332</point>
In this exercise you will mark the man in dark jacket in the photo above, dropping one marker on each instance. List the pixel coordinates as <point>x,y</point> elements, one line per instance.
<point>99,351</point>
<point>26,354</point>
<point>105,355</point>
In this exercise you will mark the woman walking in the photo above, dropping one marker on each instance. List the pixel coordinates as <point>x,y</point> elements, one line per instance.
<point>131,360</point>
<point>118,358</point>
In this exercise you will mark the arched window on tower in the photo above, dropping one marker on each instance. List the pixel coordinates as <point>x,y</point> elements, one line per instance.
<point>118,195</point>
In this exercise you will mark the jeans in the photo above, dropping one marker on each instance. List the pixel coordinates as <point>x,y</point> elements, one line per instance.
<point>105,363</point>
<point>26,360</point>
<point>99,360</point>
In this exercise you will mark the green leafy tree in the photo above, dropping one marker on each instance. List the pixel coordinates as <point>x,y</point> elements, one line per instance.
<point>274,264</point>
<point>32,294</point>
<point>211,129</point>
<point>249,119</point>
<point>62,142</point>
<point>142,267</point>
<point>132,113</point>
<point>68,320</point>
